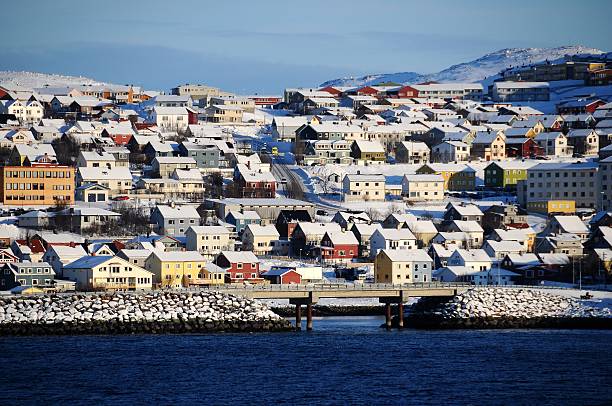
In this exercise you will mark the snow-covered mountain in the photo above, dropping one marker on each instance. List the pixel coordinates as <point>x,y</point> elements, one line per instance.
<point>473,71</point>
<point>35,79</point>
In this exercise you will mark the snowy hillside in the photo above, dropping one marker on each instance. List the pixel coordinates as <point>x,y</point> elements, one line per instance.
<point>34,79</point>
<point>473,71</point>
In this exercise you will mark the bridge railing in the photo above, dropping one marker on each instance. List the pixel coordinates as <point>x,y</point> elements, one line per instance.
<point>341,286</point>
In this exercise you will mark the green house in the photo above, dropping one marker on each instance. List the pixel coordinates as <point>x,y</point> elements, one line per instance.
<point>505,174</point>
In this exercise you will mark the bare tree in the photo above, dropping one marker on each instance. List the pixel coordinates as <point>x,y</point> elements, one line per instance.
<point>214,185</point>
<point>66,149</point>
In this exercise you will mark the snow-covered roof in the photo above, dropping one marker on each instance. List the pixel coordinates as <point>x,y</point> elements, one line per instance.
<point>311,228</point>
<point>468,226</point>
<point>360,177</point>
<point>571,224</point>
<point>210,230</point>
<point>240,256</point>
<point>342,238</point>
<point>178,256</point>
<point>117,173</point>
<point>263,231</point>
<point>465,209</point>
<point>473,255</point>
<point>396,234</point>
<point>505,246</point>
<point>88,261</point>
<point>178,211</point>
<point>403,255</point>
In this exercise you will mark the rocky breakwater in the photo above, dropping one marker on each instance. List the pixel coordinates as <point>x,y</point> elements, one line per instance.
<point>506,308</point>
<point>131,313</point>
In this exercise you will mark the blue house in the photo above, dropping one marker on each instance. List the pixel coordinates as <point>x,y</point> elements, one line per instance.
<point>35,274</point>
<point>242,219</point>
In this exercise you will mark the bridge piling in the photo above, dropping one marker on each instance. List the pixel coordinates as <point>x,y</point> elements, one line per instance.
<point>400,315</point>
<point>309,317</point>
<point>298,317</point>
<point>388,315</point>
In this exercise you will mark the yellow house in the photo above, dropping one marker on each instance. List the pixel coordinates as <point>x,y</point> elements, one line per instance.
<point>175,269</point>
<point>552,206</point>
<point>399,266</point>
<point>457,177</point>
<point>107,272</point>
<point>39,184</point>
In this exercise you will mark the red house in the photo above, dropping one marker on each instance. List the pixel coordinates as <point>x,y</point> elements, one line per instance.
<point>339,246</point>
<point>331,90</point>
<point>255,183</point>
<point>283,276</point>
<point>407,92</point>
<point>367,91</point>
<point>241,266</point>
<point>579,106</point>
<point>192,116</point>
<point>120,135</point>
<point>522,148</point>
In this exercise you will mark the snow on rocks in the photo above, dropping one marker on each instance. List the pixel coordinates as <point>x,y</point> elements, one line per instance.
<point>506,308</point>
<point>124,313</point>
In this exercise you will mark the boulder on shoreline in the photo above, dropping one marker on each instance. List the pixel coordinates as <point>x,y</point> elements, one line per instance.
<point>490,307</point>
<point>131,313</point>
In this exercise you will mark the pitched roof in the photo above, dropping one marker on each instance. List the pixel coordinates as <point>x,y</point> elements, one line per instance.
<point>402,255</point>
<point>178,256</point>
<point>117,173</point>
<point>214,230</point>
<point>178,211</point>
<point>395,234</point>
<point>342,238</point>
<point>468,226</point>
<point>88,261</point>
<point>477,255</point>
<point>259,230</point>
<point>466,209</point>
<point>240,256</point>
<point>571,224</point>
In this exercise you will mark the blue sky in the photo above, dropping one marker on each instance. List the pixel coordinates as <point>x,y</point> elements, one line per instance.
<point>265,46</point>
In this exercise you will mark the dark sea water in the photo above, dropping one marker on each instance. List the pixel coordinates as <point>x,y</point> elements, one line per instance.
<point>344,361</point>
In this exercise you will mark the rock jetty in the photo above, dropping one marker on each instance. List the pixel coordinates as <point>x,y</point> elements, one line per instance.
<point>506,308</point>
<point>132,313</point>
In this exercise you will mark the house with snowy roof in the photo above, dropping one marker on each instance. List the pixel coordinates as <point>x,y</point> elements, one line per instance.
<point>208,240</point>
<point>174,220</point>
<point>95,272</point>
<point>369,187</point>
<point>391,238</point>
<point>399,266</point>
<point>240,266</point>
<point>339,247</point>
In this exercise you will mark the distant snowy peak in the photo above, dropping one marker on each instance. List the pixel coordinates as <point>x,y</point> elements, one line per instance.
<point>473,71</point>
<point>35,79</point>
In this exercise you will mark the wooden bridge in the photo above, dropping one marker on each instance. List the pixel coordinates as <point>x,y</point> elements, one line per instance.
<point>309,295</point>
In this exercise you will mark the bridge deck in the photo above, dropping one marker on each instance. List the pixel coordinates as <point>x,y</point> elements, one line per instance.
<point>315,292</point>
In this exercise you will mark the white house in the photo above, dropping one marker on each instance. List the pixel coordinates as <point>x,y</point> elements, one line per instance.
<point>59,255</point>
<point>107,272</point>
<point>357,187</point>
<point>423,187</point>
<point>391,238</point>
<point>170,118</point>
<point>476,259</point>
<point>451,151</point>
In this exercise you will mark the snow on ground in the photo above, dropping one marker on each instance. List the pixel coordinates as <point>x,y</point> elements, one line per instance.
<point>35,79</point>
<point>12,231</point>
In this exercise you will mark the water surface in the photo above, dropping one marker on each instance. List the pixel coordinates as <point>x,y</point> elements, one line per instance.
<point>344,361</point>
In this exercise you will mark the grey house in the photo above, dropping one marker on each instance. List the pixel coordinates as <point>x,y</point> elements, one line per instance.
<point>206,156</point>
<point>36,274</point>
<point>174,220</point>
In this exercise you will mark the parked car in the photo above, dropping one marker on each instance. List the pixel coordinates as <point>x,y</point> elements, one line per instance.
<point>121,198</point>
